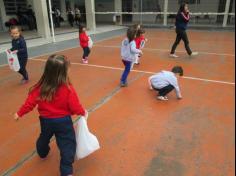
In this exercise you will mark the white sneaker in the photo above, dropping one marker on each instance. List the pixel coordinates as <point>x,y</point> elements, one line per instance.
<point>162,98</point>
<point>174,56</point>
<point>85,61</point>
<point>194,54</point>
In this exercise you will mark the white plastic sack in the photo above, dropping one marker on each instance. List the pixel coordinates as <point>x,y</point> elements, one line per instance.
<point>90,43</point>
<point>87,143</point>
<point>13,61</point>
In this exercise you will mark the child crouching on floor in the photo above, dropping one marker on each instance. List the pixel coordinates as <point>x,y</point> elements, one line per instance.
<point>166,81</point>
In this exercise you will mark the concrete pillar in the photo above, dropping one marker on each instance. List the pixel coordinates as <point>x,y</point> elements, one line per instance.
<point>90,14</point>
<point>227,5</point>
<point>165,12</point>
<point>118,8</point>
<point>63,9</point>
<point>41,13</point>
<point>3,15</point>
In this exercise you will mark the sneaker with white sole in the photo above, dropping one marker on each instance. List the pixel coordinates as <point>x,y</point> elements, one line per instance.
<point>123,84</point>
<point>162,98</point>
<point>174,56</point>
<point>85,61</point>
<point>194,54</point>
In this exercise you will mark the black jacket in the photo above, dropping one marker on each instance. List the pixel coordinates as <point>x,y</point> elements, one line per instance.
<point>182,21</point>
<point>20,45</point>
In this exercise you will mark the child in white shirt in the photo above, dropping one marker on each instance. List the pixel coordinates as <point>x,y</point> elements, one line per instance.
<point>165,81</point>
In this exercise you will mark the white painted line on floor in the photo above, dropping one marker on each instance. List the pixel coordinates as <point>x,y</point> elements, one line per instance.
<point>146,72</point>
<point>168,50</point>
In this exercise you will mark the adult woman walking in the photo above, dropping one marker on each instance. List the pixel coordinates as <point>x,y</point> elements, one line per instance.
<point>181,23</point>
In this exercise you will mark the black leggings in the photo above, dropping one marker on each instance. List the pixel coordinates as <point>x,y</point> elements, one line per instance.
<point>86,52</point>
<point>181,35</point>
<point>22,71</point>
<point>165,90</point>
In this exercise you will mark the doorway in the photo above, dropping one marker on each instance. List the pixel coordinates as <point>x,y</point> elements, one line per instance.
<point>127,6</point>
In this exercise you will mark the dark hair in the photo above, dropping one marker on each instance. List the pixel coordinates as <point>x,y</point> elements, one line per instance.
<point>131,34</point>
<point>55,74</point>
<point>182,6</point>
<point>81,28</point>
<point>140,32</point>
<point>178,69</point>
<point>15,27</point>
<point>135,26</point>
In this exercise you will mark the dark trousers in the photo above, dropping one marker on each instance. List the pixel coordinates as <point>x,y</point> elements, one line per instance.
<point>71,19</point>
<point>77,20</point>
<point>165,90</point>
<point>86,52</point>
<point>64,132</point>
<point>56,21</point>
<point>22,71</point>
<point>181,35</point>
<point>126,72</point>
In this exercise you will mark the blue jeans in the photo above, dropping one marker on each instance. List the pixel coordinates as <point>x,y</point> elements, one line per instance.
<point>125,74</point>
<point>64,132</point>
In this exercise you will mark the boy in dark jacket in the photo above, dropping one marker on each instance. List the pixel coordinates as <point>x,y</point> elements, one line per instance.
<point>19,47</point>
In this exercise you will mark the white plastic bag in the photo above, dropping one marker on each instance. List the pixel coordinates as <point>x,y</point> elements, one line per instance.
<point>13,61</point>
<point>87,143</point>
<point>90,43</point>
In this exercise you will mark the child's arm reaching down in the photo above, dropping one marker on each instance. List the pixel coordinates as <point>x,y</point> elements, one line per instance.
<point>177,89</point>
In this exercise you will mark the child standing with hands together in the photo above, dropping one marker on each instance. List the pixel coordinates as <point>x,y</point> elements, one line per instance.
<point>57,100</point>
<point>84,43</point>
<point>140,42</point>
<point>19,47</point>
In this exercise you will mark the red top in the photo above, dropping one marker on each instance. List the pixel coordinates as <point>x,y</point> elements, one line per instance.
<point>64,103</point>
<point>84,39</point>
<point>139,40</point>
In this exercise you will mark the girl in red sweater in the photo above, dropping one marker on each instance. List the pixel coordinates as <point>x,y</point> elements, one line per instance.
<point>56,100</point>
<point>140,42</point>
<point>84,43</point>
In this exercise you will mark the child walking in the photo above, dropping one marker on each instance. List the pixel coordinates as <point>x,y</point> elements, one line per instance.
<point>19,47</point>
<point>182,19</point>
<point>84,43</point>
<point>56,100</point>
<point>140,42</point>
<point>165,81</point>
<point>128,51</point>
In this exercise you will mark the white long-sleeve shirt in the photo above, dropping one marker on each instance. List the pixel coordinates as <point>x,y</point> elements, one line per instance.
<point>128,50</point>
<point>163,79</point>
